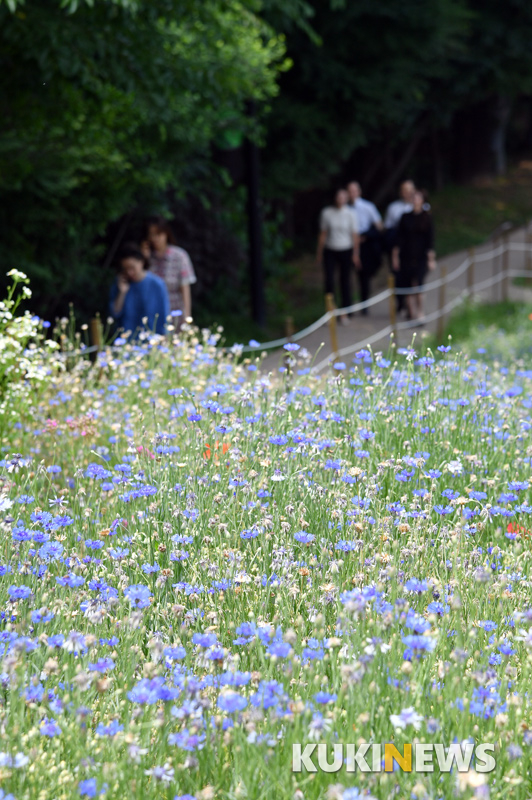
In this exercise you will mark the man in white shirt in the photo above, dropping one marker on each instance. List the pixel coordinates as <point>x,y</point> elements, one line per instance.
<point>395,210</point>
<point>393,216</point>
<point>369,228</point>
<point>338,246</point>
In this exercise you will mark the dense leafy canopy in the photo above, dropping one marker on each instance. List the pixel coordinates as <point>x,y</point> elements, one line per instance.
<point>111,107</point>
<point>387,72</point>
<point>108,104</point>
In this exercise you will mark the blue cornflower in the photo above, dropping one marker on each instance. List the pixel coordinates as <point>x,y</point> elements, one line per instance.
<point>419,643</point>
<point>111,729</point>
<point>25,499</point>
<point>279,649</point>
<point>89,787</point>
<point>416,585</point>
<point>50,728</point>
<point>51,551</point>
<point>292,347</point>
<point>41,615</point>
<point>103,665</point>
<point>325,697</point>
<point>279,440</point>
<point>175,653</point>
<point>19,592</point>
<point>138,595</point>
<point>205,639</point>
<point>487,625</point>
<point>443,510</point>
<point>231,702</point>
<point>150,568</point>
<point>450,494</point>
<point>303,537</point>
<point>437,608</point>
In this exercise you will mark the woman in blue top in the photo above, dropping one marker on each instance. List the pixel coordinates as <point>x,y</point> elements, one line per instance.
<point>139,299</point>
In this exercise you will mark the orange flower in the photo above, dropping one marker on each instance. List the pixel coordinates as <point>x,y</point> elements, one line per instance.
<point>513,527</point>
<point>207,454</point>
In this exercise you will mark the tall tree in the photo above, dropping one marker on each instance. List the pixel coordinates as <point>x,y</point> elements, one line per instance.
<point>369,71</point>
<point>106,102</point>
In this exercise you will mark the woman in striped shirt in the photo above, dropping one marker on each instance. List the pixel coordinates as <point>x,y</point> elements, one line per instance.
<point>172,264</point>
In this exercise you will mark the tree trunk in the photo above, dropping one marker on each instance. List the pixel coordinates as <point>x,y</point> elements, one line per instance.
<point>502,115</point>
<point>397,171</point>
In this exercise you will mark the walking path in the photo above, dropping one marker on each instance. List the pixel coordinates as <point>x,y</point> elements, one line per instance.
<point>365,329</point>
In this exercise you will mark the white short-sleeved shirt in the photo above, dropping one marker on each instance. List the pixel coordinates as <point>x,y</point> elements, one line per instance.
<point>340,224</point>
<point>367,214</point>
<point>394,213</point>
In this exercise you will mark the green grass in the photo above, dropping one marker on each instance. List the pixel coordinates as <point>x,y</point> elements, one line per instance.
<point>496,328</point>
<point>507,316</point>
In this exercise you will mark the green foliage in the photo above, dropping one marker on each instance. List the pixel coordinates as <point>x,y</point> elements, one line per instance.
<point>386,72</point>
<point>495,331</point>
<point>370,72</point>
<point>112,106</point>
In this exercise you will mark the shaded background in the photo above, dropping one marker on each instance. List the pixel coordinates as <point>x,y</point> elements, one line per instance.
<point>114,111</point>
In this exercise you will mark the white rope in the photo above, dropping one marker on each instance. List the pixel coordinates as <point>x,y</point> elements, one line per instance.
<point>379,298</point>
<point>464,294</point>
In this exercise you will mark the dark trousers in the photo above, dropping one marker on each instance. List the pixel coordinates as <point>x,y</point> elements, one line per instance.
<point>344,260</point>
<point>390,239</point>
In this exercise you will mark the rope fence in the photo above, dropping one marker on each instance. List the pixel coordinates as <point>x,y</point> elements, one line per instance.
<point>500,251</point>
<point>409,324</point>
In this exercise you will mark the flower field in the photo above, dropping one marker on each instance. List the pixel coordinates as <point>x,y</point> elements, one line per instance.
<point>202,565</point>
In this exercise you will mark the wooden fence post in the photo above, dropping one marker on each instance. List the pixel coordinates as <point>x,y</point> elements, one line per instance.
<point>505,268</point>
<point>329,306</point>
<point>441,303</point>
<point>393,307</point>
<point>289,328</point>
<point>471,272</point>
<point>96,333</point>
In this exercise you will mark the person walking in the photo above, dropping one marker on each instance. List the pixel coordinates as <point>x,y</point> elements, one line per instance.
<point>338,246</point>
<point>172,264</point>
<point>138,299</point>
<point>369,231</point>
<point>392,218</point>
<point>413,254</point>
